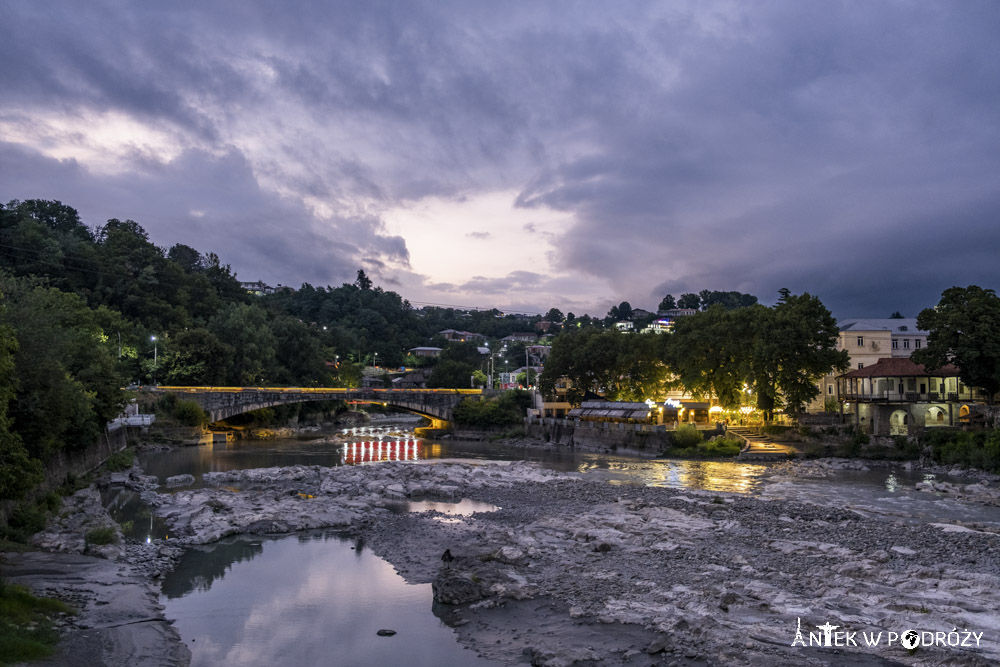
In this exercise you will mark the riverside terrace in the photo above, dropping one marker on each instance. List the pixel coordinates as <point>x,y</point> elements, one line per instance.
<point>224,402</point>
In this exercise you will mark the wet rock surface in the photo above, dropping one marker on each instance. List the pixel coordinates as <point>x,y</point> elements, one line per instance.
<point>677,576</point>
<point>577,571</point>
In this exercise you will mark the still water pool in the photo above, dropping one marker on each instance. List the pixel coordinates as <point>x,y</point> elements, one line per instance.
<point>304,600</point>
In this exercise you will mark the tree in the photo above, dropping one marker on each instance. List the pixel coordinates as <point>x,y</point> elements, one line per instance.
<point>689,301</point>
<point>667,303</point>
<point>620,366</point>
<point>803,337</point>
<point>554,315</point>
<point>778,353</point>
<point>186,257</point>
<point>622,311</point>
<point>196,357</point>
<point>450,374</point>
<point>363,282</point>
<point>728,300</point>
<point>964,329</point>
<point>68,387</point>
<point>707,358</point>
<point>299,356</point>
<point>896,316</point>
<point>245,328</point>
<point>18,471</point>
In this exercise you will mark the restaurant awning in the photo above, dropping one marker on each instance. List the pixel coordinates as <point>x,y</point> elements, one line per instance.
<point>611,410</point>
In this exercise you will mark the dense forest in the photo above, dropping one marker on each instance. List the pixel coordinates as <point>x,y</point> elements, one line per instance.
<point>85,312</point>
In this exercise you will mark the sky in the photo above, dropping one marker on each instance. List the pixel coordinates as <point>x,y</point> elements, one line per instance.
<point>527,155</point>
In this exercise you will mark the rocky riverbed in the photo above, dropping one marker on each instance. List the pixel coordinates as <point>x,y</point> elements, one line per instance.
<point>574,571</point>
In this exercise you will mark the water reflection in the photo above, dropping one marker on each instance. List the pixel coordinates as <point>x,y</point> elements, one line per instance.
<point>723,476</point>
<point>368,452</point>
<point>891,483</point>
<point>134,516</point>
<point>464,507</point>
<point>308,600</point>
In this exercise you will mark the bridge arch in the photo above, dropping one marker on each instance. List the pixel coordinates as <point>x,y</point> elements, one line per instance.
<point>223,402</point>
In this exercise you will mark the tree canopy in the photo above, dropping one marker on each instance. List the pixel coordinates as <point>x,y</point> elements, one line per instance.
<point>964,329</point>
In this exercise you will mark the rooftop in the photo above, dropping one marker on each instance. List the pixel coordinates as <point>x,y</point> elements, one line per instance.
<point>900,367</point>
<point>895,325</point>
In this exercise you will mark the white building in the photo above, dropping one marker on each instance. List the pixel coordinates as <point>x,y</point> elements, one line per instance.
<point>867,341</point>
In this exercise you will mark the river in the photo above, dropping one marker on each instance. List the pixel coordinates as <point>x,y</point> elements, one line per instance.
<point>320,598</point>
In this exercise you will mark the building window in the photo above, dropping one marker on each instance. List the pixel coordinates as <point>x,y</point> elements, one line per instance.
<point>860,365</point>
<point>829,388</point>
<point>916,344</point>
<point>861,341</point>
<point>906,344</point>
<point>895,344</point>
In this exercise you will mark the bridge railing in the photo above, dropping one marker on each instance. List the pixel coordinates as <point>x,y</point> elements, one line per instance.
<point>315,390</point>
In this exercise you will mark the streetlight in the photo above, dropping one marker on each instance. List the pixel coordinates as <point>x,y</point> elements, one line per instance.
<point>153,338</point>
<point>374,362</point>
<point>489,376</point>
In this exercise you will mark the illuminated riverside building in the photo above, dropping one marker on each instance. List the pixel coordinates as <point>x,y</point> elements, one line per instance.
<point>900,397</point>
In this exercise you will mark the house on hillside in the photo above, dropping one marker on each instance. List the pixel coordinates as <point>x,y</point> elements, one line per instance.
<point>520,336</point>
<point>430,352</point>
<point>896,396</point>
<point>257,288</point>
<point>462,336</point>
<point>677,312</point>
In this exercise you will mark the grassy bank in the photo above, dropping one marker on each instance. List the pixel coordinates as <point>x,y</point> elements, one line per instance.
<point>26,628</point>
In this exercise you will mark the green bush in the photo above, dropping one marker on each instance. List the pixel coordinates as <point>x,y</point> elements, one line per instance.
<point>977,450</point>
<point>27,517</point>
<point>120,461</point>
<point>101,536</point>
<point>717,448</point>
<point>51,502</point>
<point>775,430</point>
<point>687,436</point>
<point>189,413</point>
<point>720,447</point>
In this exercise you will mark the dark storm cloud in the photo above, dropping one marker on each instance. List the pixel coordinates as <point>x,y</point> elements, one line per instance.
<point>850,150</point>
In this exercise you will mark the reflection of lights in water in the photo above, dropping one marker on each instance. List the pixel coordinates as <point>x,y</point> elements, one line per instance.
<point>372,451</point>
<point>891,483</point>
<point>705,475</point>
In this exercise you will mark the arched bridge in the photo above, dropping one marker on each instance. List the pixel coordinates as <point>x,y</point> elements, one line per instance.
<point>224,402</point>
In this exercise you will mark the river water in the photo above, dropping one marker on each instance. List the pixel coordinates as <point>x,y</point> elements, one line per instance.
<point>319,599</point>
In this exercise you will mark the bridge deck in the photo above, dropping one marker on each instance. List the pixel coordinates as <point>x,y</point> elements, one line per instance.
<point>315,390</point>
